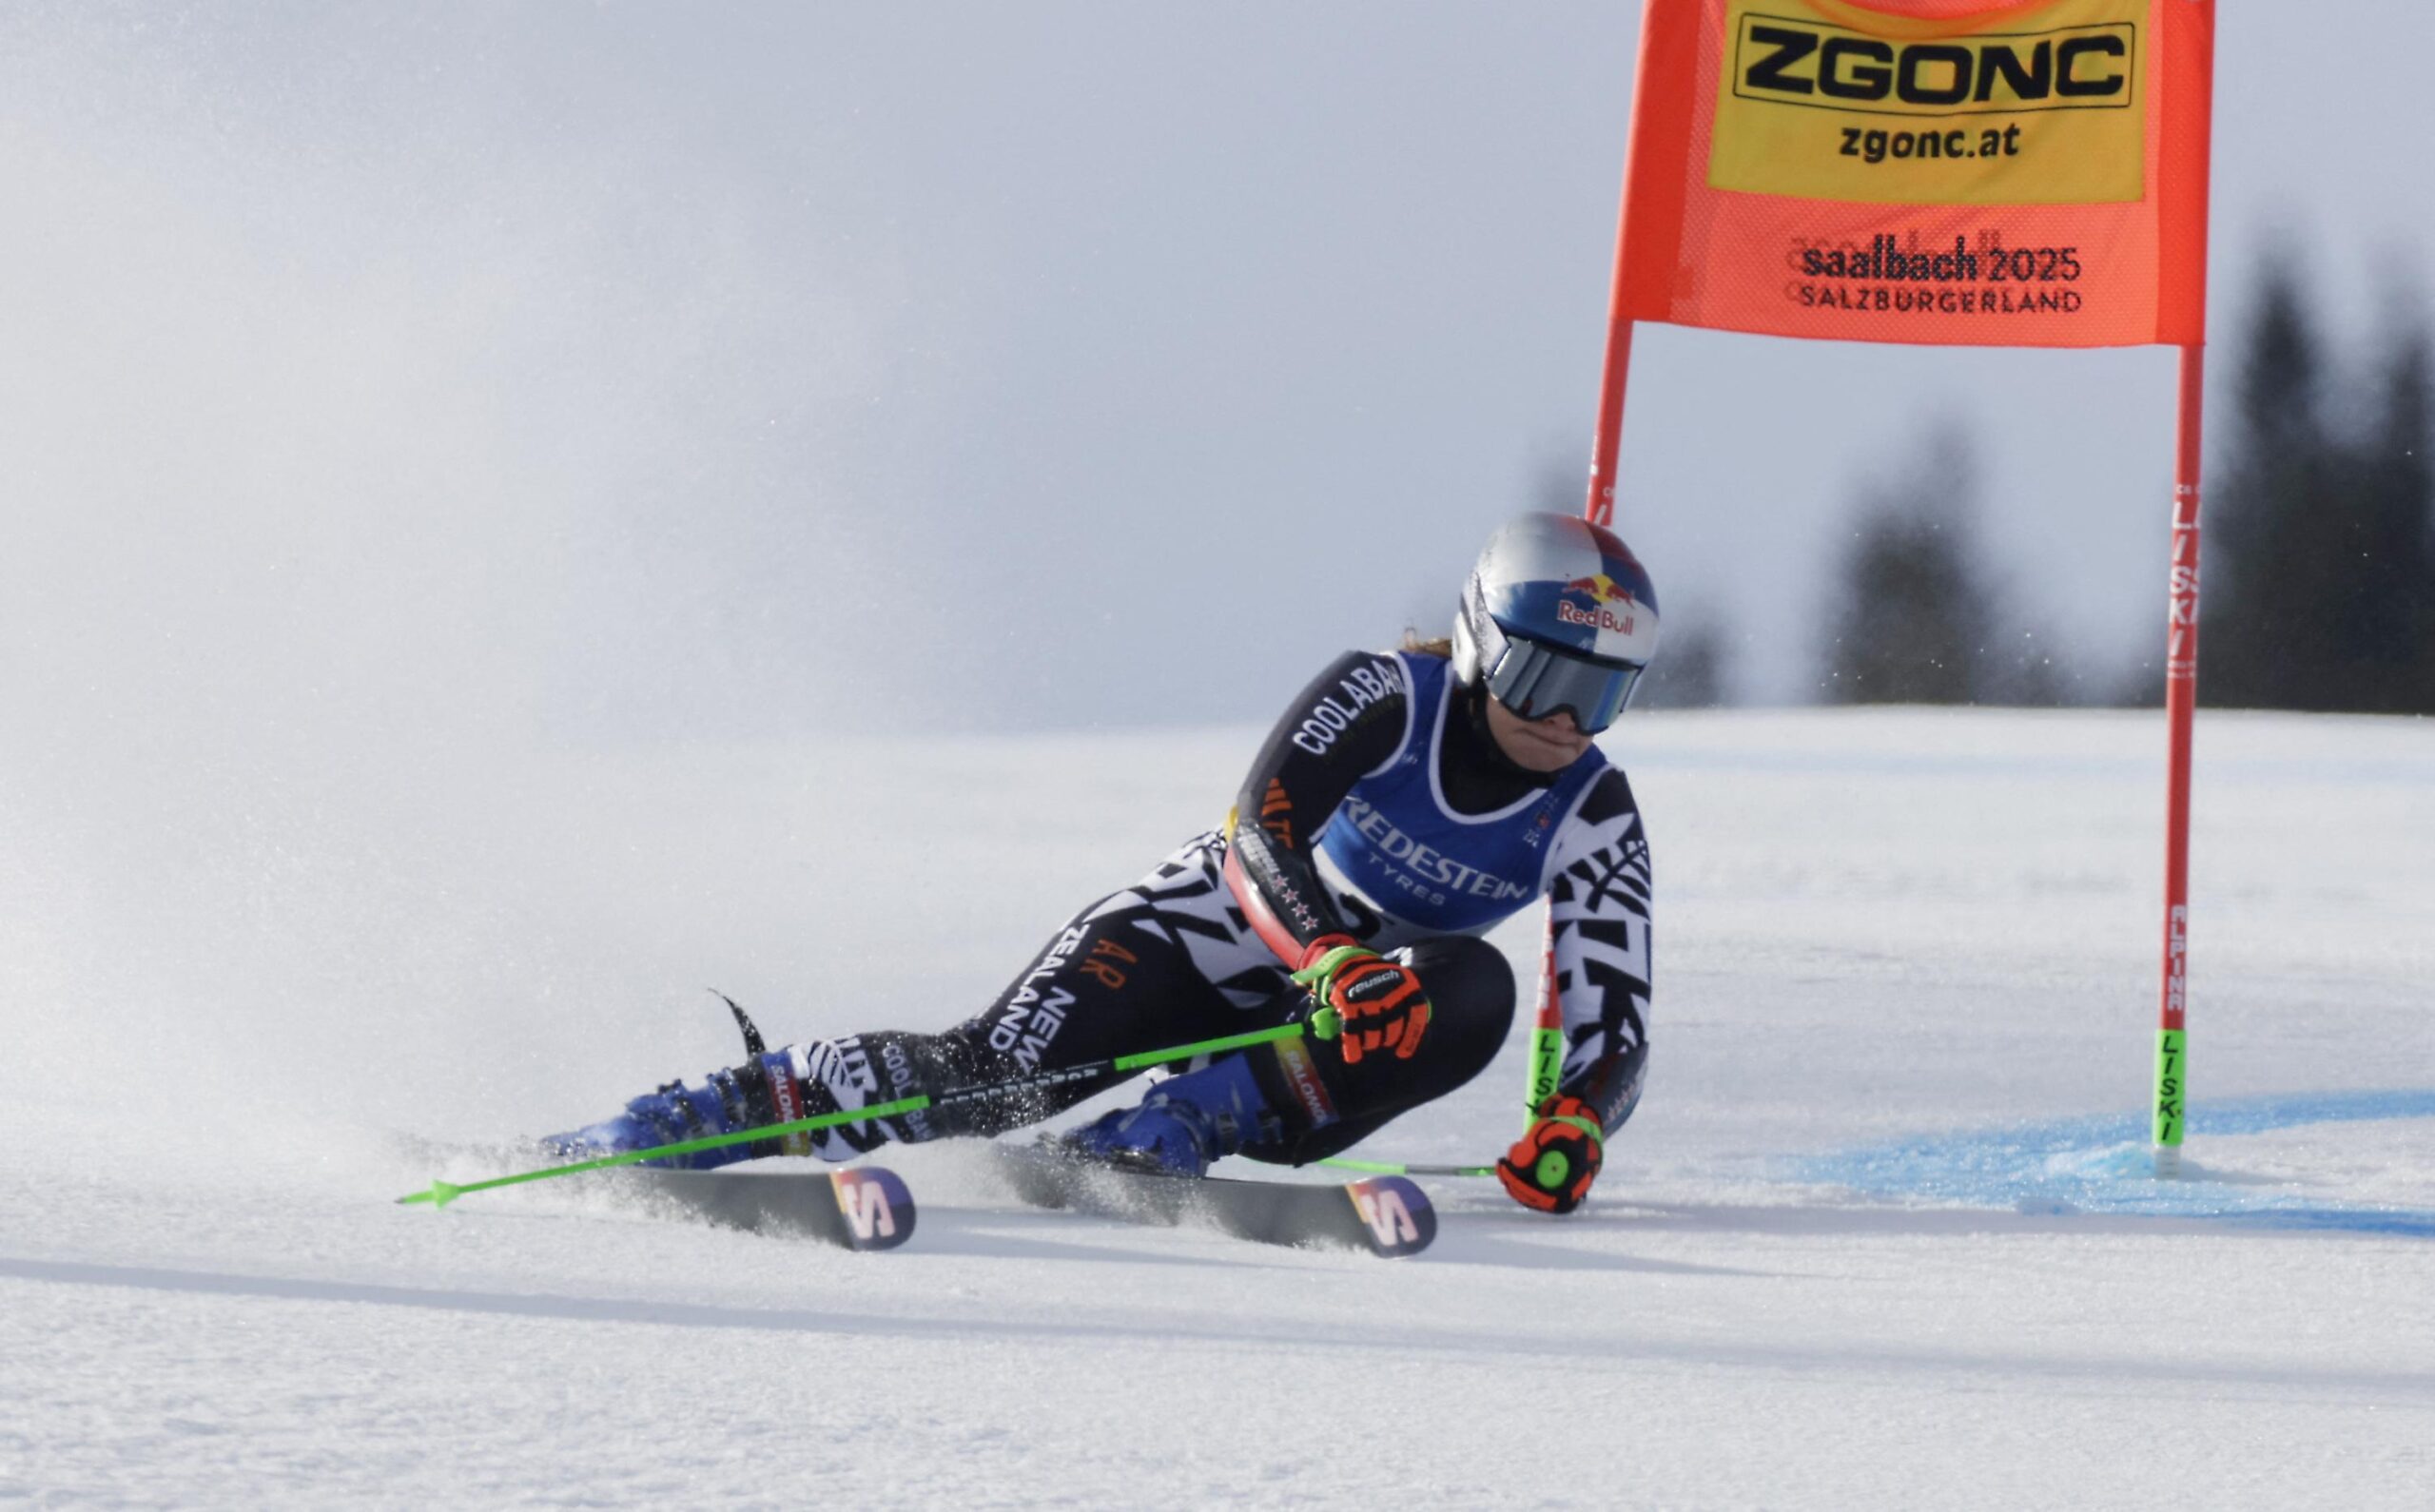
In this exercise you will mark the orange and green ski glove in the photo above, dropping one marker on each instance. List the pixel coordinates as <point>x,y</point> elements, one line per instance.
<point>1550,1167</point>
<point>1366,1002</point>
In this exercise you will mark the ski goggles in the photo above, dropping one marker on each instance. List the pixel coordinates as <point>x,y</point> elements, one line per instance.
<point>1537,681</point>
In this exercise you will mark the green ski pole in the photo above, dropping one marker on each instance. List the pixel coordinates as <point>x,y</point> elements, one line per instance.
<point>441,1194</point>
<point>1392,1168</point>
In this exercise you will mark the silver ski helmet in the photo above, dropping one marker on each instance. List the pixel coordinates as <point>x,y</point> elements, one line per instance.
<point>1557,616</point>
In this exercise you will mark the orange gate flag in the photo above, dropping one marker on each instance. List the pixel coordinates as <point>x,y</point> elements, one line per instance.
<point>1936,171</point>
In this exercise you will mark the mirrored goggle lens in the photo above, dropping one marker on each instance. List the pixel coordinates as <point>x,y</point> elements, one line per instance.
<point>1537,681</point>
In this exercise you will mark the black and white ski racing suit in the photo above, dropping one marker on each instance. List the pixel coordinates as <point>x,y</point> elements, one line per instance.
<point>1201,946</point>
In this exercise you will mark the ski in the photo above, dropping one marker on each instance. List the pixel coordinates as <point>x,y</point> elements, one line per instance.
<point>1385,1215</point>
<point>865,1207</point>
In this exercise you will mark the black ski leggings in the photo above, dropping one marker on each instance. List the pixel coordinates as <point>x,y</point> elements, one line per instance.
<point>1121,983</point>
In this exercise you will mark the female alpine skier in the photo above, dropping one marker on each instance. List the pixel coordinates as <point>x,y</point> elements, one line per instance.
<point>1405,804</point>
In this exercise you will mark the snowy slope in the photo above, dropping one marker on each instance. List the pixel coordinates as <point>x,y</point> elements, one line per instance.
<point>1881,1231</point>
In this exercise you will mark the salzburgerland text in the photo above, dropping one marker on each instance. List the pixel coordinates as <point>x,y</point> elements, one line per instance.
<point>1889,275</point>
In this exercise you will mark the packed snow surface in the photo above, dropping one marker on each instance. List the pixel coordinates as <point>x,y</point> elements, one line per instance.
<point>1884,1231</point>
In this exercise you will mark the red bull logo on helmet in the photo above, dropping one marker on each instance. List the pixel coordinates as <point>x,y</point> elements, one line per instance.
<point>1616,610</point>
<point>1601,618</point>
<point>1602,588</point>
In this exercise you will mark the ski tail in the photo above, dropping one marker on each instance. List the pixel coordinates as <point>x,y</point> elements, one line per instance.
<point>1397,1213</point>
<point>1389,1216</point>
<point>865,1207</point>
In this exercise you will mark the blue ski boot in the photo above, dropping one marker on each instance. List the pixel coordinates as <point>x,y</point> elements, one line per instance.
<point>726,1101</point>
<point>1184,1124</point>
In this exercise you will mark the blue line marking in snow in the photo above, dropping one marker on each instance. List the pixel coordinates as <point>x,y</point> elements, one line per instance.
<point>2103,1164</point>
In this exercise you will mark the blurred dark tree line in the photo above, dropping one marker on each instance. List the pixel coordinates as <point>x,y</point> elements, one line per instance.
<point>2317,577</point>
<point>2317,588</point>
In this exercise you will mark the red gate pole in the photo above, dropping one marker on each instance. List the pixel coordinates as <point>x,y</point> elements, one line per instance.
<point>2181,700</point>
<point>1609,438</point>
<point>1656,136</point>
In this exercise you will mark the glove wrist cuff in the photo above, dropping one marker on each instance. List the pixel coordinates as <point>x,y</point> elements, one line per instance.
<point>1587,1126</point>
<point>1323,947</point>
